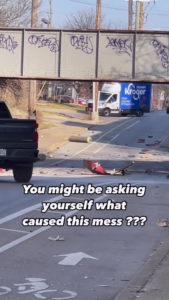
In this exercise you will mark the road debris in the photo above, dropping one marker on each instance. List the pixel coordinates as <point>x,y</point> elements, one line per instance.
<point>158,142</point>
<point>55,239</point>
<point>96,168</point>
<point>163,223</point>
<point>103,285</point>
<point>167,176</point>
<point>81,139</point>
<point>150,136</point>
<point>148,171</point>
<point>141,141</point>
<point>154,144</point>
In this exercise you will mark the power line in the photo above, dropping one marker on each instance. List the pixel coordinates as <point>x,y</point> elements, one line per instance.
<point>116,8</point>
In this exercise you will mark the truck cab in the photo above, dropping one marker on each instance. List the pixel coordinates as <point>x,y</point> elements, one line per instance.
<point>109,99</point>
<point>123,99</point>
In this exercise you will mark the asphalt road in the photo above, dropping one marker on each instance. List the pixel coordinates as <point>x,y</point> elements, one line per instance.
<point>92,261</point>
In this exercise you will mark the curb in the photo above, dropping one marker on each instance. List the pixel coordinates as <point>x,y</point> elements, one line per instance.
<point>141,279</point>
<point>53,148</point>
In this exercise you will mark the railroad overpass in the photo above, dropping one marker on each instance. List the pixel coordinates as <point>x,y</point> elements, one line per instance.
<point>105,55</point>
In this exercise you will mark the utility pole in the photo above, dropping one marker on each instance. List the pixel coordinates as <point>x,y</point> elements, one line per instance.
<point>130,14</point>
<point>137,15</point>
<point>51,13</point>
<point>32,83</point>
<point>141,15</point>
<point>95,115</point>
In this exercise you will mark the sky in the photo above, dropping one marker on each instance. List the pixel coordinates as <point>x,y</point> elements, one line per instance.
<point>157,14</point>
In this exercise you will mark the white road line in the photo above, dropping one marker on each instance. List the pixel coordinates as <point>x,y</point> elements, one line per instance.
<point>34,207</point>
<point>22,239</point>
<point>107,143</point>
<point>115,137</point>
<point>54,212</point>
<point>15,230</point>
<point>57,162</point>
<point>36,232</point>
<point>74,198</point>
<point>26,210</point>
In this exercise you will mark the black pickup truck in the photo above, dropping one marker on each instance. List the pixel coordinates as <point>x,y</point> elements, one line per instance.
<point>18,145</point>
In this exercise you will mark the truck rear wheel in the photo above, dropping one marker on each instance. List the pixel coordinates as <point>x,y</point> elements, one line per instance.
<point>139,113</point>
<point>106,112</point>
<point>23,174</point>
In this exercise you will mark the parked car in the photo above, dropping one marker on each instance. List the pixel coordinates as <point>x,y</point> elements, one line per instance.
<point>68,99</point>
<point>82,101</point>
<point>167,108</point>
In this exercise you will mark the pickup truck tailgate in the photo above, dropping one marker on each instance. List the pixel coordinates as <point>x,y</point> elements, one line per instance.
<point>16,133</point>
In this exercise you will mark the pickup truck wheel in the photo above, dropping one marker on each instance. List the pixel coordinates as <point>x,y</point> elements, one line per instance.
<point>23,174</point>
<point>139,113</point>
<point>106,112</point>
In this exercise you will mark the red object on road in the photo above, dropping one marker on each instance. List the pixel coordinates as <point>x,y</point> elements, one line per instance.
<point>94,167</point>
<point>141,140</point>
<point>1,170</point>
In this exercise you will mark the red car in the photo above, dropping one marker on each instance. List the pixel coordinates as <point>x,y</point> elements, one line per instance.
<point>68,99</point>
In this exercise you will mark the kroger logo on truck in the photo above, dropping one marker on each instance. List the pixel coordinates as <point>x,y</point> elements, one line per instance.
<point>136,93</point>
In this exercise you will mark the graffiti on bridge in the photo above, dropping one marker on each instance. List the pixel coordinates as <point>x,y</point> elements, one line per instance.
<point>161,52</point>
<point>124,46</point>
<point>83,43</point>
<point>8,43</point>
<point>52,43</point>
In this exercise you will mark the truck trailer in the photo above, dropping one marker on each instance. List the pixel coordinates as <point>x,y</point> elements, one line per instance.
<point>124,99</point>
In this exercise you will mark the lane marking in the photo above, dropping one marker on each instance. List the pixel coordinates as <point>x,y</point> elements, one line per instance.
<point>54,212</point>
<point>116,137</point>
<point>15,230</point>
<point>107,143</point>
<point>74,198</point>
<point>151,151</point>
<point>26,210</point>
<point>40,230</point>
<point>36,232</point>
<point>34,207</point>
<point>77,153</point>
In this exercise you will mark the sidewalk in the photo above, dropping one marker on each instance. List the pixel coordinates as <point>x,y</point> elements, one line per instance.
<point>55,137</point>
<point>152,280</point>
<point>157,287</point>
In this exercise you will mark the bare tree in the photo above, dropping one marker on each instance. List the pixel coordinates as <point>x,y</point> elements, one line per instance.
<point>13,86</point>
<point>16,13</point>
<point>86,19</point>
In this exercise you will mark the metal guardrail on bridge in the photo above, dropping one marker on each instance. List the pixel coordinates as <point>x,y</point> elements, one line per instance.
<point>108,55</point>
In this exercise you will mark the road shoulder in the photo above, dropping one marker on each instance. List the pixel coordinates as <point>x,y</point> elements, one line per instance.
<point>139,281</point>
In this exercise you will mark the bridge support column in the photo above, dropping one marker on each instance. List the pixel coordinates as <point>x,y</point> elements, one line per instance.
<point>94,117</point>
